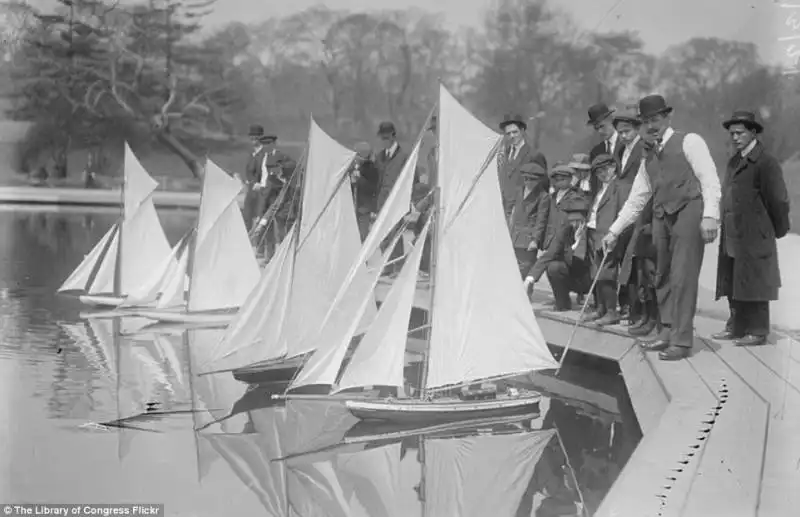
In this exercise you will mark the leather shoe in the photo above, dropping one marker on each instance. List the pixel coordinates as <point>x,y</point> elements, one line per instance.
<point>610,318</point>
<point>654,345</point>
<point>725,335</point>
<point>675,353</point>
<point>635,324</point>
<point>643,330</point>
<point>750,340</point>
<point>591,316</point>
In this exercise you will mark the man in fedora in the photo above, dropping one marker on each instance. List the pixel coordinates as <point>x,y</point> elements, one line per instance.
<point>601,119</point>
<point>516,156</point>
<point>252,174</point>
<point>681,179</point>
<point>755,213</point>
<point>389,161</point>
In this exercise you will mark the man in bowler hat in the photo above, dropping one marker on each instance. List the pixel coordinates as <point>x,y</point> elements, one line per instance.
<point>516,157</point>
<point>681,179</point>
<point>601,119</point>
<point>251,173</point>
<point>755,213</point>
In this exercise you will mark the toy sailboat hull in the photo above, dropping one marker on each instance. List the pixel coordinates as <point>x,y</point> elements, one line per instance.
<point>101,300</point>
<point>216,317</point>
<point>410,411</point>
<point>275,371</point>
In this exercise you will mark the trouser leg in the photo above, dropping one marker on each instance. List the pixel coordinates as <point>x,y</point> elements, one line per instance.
<point>686,249</point>
<point>250,207</point>
<point>558,276</point>
<point>525,260</point>
<point>750,317</point>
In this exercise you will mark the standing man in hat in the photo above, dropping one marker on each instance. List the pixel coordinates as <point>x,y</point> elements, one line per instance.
<point>252,175</point>
<point>517,156</point>
<point>275,172</point>
<point>364,178</point>
<point>682,181</point>
<point>755,213</point>
<point>389,162</point>
<point>602,120</point>
<point>529,217</point>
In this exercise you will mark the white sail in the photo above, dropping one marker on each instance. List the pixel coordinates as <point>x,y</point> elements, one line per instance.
<point>373,476</point>
<point>224,266</point>
<point>327,242</point>
<point>333,339</point>
<point>172,293</point>
<point>484,475</point>
<point>79,279</point>
<point>394,209</point>
<point>482,322</point>
<point>259,323</point>
<point>378,359</point>
<point>148,292</point>
<point>107,269</point>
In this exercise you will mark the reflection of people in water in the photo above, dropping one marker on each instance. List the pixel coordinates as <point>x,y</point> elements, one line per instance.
<point>552,479</point>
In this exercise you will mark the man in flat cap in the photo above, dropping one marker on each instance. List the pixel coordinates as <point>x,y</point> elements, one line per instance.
<point>755,213</point>
<point>582,178</point>
<point>601,119</point>
<point>529,217</point>
<point>682,181</point>
<point>516,156</point>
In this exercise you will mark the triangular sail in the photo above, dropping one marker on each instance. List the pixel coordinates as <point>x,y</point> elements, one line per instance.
<point>224,268</point>
<point>79,279</point>
<point>139,185</point>
<point>259,323</point>
<point>323,367</point>
<point>172,293</point>
<point>375,480</point>
<point>148,292</point>
<point>378,359</point>
<point>482,322</point>
<point>106,270</point>
<point>484,475</point>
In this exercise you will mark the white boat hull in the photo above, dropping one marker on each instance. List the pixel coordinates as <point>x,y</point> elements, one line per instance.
<point>410,411</point>
<point>221,317</point>
<point>101,300</point>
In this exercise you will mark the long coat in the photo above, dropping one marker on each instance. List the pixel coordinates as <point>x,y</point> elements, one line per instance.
<point>639,242</point>
<point>755,213</point>
<point>510,173</point>
<point>389,169</point>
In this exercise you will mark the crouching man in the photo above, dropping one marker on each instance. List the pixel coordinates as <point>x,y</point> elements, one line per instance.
<point>564,242</point>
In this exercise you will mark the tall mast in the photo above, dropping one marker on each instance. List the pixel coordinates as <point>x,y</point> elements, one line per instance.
<point>436,214</point>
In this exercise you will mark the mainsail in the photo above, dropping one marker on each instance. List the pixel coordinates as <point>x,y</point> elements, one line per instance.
<point>482,323</point>
<point>137,242</point>
<point>320,253</point>
<point>224,268</point>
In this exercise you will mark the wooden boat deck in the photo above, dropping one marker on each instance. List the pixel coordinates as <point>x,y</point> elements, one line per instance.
<point>721,429</point>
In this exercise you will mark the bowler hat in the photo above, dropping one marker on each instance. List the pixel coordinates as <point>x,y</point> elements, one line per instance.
<point>580,161</point>
<point>653,105</point>
<point>256,130</point>
<point>628,113</point>
<point>561,169</point>
<point>746,118</point>
<point>533,171</point>
<point>598,113</point>
<point>602,160</point>
<point>386,128</point>
<point>514,118</point>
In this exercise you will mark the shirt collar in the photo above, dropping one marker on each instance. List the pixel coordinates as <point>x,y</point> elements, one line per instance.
<point>634,142</point>
<point>613,140</point>
<point>667,134</point>
<point>392,149</point>
<point>258,150</point>
<point>747,150</point>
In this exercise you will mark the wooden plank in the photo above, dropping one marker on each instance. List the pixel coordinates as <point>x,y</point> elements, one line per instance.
<point>773,371</point>
<point>641,487</point>
<point>593,341</point>
<point>647,393</point>
<point>723,479</point>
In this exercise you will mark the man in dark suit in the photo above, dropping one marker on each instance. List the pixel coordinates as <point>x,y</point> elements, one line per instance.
<point>517,156</point>
<point>389,162</point>
<point>754,213</point>
<point>602,120</point>
<point>364,178</point>
<point>252,174</point>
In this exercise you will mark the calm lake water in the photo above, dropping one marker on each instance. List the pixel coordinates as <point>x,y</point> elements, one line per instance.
<point>63,377</point>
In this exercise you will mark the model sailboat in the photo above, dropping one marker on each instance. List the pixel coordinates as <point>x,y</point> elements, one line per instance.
<point>273,331</point>
<point>220,267</point>
<point>130,252</point>
<point>482,326</point>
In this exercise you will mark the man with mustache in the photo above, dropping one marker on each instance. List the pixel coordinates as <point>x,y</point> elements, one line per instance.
<point>755,214</point>
<point>681,179</point>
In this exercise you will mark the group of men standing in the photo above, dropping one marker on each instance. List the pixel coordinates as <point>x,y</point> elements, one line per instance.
<point>633,215</point>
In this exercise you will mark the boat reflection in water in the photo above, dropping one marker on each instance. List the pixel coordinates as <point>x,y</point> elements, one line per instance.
<point>313,458</point>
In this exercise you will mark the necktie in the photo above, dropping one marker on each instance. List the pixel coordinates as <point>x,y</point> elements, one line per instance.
<point>608,147</point>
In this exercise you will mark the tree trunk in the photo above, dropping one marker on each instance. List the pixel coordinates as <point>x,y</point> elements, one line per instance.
<point>173,144</point>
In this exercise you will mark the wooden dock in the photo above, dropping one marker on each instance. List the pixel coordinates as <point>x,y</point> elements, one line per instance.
<point>76,197</point>
<point>721,429</point>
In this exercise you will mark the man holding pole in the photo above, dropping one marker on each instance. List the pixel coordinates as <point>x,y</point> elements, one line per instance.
<point>682,181</point>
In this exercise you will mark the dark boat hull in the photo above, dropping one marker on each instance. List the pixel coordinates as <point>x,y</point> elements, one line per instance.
<point>282,371</point>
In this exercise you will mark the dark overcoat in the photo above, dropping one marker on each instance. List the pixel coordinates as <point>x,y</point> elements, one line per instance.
<point>510,173</point>
<point>754,214</point>
<point>389,169</point>
<point>529,220</point>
